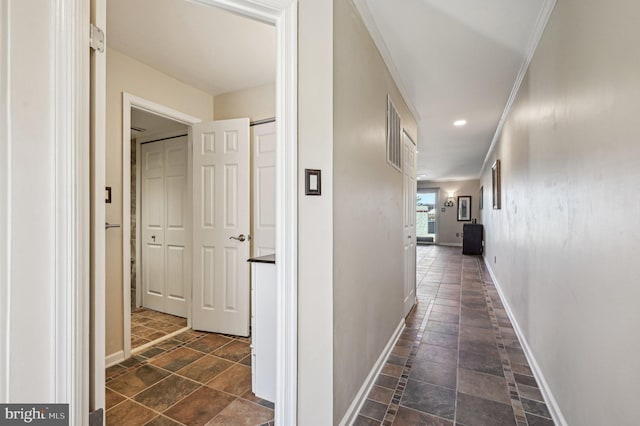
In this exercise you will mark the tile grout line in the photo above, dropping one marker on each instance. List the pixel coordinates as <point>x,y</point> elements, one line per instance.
<point>455,404</point>
<point>392,408</point>
<point>182,344</point>
<point>514,395</point>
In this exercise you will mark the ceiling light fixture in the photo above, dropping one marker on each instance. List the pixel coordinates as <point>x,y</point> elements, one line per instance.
<point>459,123</point>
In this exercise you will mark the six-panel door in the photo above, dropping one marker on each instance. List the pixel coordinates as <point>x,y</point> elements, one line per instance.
<point>221,226</point>
<point>165,214</point>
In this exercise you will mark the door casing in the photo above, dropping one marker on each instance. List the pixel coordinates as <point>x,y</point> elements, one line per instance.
<point>130,101</point>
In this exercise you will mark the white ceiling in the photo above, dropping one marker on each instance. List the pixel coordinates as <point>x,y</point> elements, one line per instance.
<point>452,59</point>
<point>205,47</point>
<point>455,59</point>
<point>153,124</point>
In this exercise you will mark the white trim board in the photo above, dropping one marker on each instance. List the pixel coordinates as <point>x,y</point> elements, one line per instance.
<point>449,244</point>
<point>97,173</point>
<point>286,404</point>
<point>363,392</point>
<point>71,191</point>
<point>550,400</point>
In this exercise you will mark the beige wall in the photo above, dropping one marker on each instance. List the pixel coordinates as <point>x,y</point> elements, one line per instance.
<point>367,216</point>
<point>315,214</point>
<point>257,103</point>
<point>125,74</point>
<point>565,241</point>
<point>447,225</point>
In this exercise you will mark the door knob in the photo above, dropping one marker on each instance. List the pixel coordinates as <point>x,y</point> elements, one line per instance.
<point>240,238</point>
<point>153,237</point>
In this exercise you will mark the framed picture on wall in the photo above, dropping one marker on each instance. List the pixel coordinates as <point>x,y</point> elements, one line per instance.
<point>464,208</point>
<point>495,184</point>
<point>481,197</point>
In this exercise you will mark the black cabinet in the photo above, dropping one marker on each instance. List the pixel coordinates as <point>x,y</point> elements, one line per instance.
<point>472,235</point>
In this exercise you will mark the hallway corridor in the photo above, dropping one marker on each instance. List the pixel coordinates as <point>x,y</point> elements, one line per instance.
<point>458,361</point>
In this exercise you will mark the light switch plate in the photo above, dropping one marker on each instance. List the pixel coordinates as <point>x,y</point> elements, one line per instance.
<point>312,182</point>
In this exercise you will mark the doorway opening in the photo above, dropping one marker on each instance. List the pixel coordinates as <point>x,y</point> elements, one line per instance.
<point>282,16</point>
<point>426,216</point>
<point>198,356</point>
<point>160,213</point>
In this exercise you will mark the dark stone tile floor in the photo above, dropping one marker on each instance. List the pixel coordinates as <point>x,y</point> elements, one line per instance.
<point>192,379</point>
<point>458,361</point>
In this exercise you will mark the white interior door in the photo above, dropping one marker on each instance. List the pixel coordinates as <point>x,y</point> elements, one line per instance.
<point>263,233</point>
<point>165,216</point>
<point>409,221</point>
<point>221,226</point>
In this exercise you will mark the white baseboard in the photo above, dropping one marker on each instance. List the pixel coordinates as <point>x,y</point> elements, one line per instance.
<point>449,244</point>
<point>549,399</point>
<point>114,359</point>
<point>361,396</point>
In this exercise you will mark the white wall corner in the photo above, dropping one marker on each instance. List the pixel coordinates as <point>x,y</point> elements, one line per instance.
<point>552,403</point>
<point>363,392</point>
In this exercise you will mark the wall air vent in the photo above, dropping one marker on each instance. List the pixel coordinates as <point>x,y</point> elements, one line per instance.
<point>394,142</point>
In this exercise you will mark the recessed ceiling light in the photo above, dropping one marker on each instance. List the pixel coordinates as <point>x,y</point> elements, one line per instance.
<point>459,123</point>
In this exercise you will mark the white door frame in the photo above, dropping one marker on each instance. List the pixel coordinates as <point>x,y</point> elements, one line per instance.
<point>72,222</point>
<point>73,121</point>
<point>130,101</point>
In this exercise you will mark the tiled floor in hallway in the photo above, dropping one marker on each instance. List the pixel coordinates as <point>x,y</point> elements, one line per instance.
<point>148,325</point>
<point>458,360</point>
<point>192,379</point>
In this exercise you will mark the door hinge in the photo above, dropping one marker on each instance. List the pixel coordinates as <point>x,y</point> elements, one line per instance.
<point>96,38</point>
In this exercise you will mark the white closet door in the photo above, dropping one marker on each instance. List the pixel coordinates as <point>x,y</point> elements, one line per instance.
<point>152,232</point>
<point>221,226</point>
<point>165,215</point>
<point>409,221</point>
<point>177,217</point>
<point>263,144</point>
